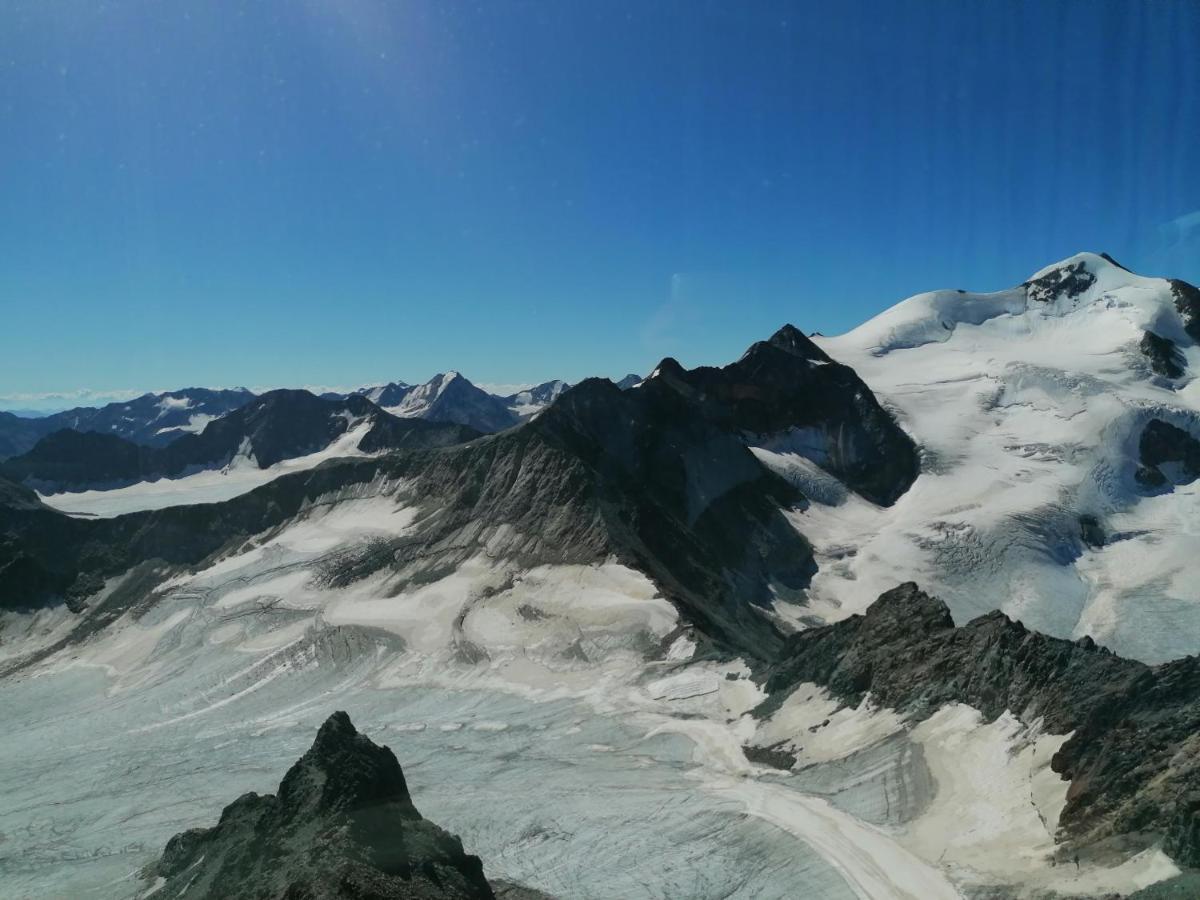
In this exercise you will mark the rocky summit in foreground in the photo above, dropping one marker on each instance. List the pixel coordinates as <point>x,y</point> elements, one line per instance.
<point>341,826</point>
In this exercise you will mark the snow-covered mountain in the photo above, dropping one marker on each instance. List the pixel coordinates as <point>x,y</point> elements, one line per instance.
<point>153,420</point>
<point>278,432</point>
<point>156,420</point>
<point>447,397</point>
<point>533,400</point>
<point>450,397</point>
<point>387,395</point>
<point>1031,407</point>
<point>666,615</point>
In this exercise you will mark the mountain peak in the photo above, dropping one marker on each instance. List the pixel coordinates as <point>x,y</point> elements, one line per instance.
<point>669,367</point>
<point>346,769</point>
<point>341,825</point>
<point>792,340</point>
<point>450,397</point>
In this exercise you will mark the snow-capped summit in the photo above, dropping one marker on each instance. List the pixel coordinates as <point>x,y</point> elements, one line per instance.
<point>1032,407</point>
<point>1087,295</point>
<point>449,397</point>
<point>533,400</point>
<point>419,400</point>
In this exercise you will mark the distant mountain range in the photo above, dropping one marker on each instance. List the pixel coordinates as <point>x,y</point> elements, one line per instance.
<point>152,419</point>
<point>279,425</point>
<point>157,420</point>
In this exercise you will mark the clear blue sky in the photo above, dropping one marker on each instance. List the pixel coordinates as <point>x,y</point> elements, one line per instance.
<point>341,191</point>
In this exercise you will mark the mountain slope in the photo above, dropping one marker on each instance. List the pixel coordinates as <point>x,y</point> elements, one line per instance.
<point>1130,757</point>
<point>1031,407</point>
<point>792,398</point>
<point>18,434</point>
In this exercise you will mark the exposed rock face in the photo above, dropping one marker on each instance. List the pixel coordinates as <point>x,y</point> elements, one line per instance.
<point>341,826</point>
<point>683,499</point>
<point>788,383</point>
<point>1187,302</point>
<point>1165,445</point>
<point>1068,281</point>
<point>1134,756</point>
<point>1108,258</point>
<point>276,426</point>
<point>1165,358</point>
<point>629,381</point>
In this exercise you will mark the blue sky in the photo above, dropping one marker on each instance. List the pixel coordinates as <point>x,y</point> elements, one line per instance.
<point>321,192</point>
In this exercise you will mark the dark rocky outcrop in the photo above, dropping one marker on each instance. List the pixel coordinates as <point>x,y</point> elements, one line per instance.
<point>1134,755</point>
<point>1065,281</point>
<point>276,426</point>
<point>1109,259</point>
<point>1165,358</point>
<point>788,382</point>
<point>684,500</point>
<point>1187,302</point>
<point>342,825</point>
<point>1091,531</point>
<point>1164,444</point>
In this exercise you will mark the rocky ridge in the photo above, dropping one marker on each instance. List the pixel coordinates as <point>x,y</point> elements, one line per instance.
<point>1132,756</point>
<point>341,825</point>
